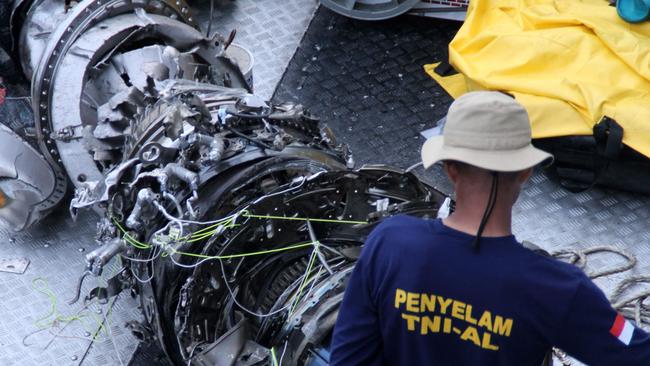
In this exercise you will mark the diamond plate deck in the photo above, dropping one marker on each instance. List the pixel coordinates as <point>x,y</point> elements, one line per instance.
<point>270,29</point>
<point>56,248</point>
<point>365,79</point>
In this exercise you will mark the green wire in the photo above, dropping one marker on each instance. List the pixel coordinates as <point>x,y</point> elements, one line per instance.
<point>304,219</point>
<point>311,278</point>
<point>275,359</point>
<point>201,235</point>
<point>195,238</point>
<point>199,238</point>
<point>147,246</point>
<point>130,239</point>
<point>45,290</point>
<point>241,255</point>
<point>304,280</point>
<point>229,224</point>
<point>54,316</point>
<point>216,225</point>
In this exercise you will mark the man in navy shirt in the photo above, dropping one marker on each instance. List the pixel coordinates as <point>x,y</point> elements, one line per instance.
<point>462,290</point>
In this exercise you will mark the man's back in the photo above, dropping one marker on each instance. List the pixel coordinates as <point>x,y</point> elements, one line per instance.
<point>422,295</point>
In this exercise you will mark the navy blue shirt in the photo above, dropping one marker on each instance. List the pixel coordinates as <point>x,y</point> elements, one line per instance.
<point>420,295</point>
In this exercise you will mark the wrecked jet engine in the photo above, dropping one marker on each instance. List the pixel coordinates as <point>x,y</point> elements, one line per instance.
<point>237,220</point>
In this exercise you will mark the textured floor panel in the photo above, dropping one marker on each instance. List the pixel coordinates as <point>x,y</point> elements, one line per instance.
<point>33,305</point>
<point>365,79</point>
<point>270,29</point>
<point>556,219</point>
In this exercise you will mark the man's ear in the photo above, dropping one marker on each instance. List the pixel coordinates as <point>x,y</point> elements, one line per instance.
<point>524,175</point>
<point>452,171</point>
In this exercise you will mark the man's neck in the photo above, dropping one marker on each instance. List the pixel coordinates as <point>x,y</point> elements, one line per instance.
<point>467,219</point>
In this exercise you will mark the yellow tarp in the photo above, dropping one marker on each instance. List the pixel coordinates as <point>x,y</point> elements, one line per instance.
<point>568,62</point>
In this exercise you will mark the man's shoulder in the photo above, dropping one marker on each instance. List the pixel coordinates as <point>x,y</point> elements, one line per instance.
<point>543,267</point>
<point>398,230</point>
<point>399,226</point>
<point>402,220</point>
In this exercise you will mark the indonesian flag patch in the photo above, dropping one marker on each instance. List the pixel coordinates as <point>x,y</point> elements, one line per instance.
<point>622,329</point>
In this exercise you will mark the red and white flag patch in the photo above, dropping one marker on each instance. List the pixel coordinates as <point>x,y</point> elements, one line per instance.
<point>622,329</point>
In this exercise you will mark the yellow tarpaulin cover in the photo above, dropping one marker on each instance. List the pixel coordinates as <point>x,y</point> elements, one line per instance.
<point>568,62</point>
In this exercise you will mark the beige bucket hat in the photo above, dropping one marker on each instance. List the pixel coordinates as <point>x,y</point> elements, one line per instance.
<point>486,129</point>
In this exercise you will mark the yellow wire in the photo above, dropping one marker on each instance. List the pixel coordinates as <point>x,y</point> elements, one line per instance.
<point>304,280</point>
<point>275,359</point>
<point>54,316</point>
<point>216,225</point>
<point>131,240</point>
<point>200,235</point>
<point>228,224</point>
<point>291,247</point>
<point>351,222</point>
<point>241,255</point>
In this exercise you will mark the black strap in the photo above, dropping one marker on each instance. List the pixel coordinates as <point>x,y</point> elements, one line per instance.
<point>445,69</point>
<point>492,200</point>
<point>608,136</point>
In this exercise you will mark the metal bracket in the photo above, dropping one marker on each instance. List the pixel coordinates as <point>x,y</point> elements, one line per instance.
<point>67,134</point>
<point>15,265</point>
<point>114,286</point>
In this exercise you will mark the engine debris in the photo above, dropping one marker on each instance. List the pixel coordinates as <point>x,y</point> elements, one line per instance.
<point>238,220</point>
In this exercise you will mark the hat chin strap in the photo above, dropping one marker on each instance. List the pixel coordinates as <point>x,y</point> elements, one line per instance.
<point>488,210</point>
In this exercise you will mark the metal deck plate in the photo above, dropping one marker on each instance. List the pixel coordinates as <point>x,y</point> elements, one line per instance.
<point>32,301</point>
<point>270,29</point>
<point>14,265</point>
<point>366,81</point>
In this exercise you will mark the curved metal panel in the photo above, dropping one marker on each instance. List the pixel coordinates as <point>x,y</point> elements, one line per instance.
<point>28,182</point>
<point>82,17</point>
<point>41,21</point>
<point>97,45</point>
